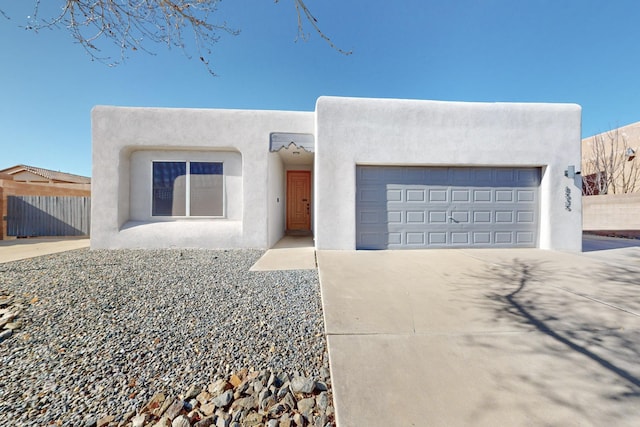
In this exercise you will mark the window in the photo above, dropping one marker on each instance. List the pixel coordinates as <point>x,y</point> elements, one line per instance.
<point>188,189</point>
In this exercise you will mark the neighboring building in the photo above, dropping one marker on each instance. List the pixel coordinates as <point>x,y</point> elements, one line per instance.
<point>609,162</point>
<point>31,174</point>
<point>357,173</point>
<point>611,174</point>
<point>22,182</point>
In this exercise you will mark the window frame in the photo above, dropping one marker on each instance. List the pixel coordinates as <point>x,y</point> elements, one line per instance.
<point>188,191</point>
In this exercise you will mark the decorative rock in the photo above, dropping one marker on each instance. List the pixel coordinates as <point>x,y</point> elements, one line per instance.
<point>193,391</point>
<point>266,404</point>
<point>105,420</point>
<point>5,334</point>
<point>218,387</point>
<point>252,420</point>
<point>224,399</point>
<point>305,406</point>
<point>263,395</point>
<point>273,423</point>
<point>203,397</point>
<point>205,422</point>
<point>139,420</point>
<point>165,405</point>
<point>195,416</point>
<point>127,417</point>
<point>285,420</point>
<point>163,422</point>
<point>302,385</point>
<point>325,373</point>
<point>192,349</point>
<point>276,410</point>
<point>174,410</point>
<point>208,408</point>
<point>299,420</point>
<point>235,380</point>
<point>181,421</point>
<point>154,402</point>
<point>321,421</point>
<point>13,325</point>
<point>322,401</point>
<point>321,386</point>
<point>223,421</point>
<point>243,403</point>
<point>289,401</point>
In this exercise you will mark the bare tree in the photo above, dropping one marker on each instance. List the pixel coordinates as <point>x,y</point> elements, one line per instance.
<point>136,25</point>
<point>609,165</point>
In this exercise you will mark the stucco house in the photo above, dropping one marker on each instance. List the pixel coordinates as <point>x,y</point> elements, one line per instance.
<point>356,173</point>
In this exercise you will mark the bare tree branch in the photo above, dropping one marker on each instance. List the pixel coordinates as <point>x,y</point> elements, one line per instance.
<point>609,167</point>
<point>136,25</point>
<point>304,14</point>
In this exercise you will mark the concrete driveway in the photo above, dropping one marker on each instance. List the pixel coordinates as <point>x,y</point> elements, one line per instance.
<point>483,337</point>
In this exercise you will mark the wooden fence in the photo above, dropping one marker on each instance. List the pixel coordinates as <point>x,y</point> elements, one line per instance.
<point>33,216</point>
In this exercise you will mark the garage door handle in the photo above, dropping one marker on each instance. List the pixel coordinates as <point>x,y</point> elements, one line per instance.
<point>453,220</point>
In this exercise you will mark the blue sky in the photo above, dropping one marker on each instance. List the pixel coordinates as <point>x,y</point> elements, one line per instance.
<point>578,51</point>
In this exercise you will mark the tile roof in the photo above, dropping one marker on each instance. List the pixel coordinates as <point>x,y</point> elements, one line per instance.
<point>49,174</point>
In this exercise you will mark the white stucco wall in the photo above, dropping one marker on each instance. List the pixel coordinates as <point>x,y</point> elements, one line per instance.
<point>348,132</point>
<point>351,131</point>
<point>124,139</point>
<point>276,199</point>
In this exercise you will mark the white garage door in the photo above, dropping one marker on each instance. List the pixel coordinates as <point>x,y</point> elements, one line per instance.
<point>432,207</point>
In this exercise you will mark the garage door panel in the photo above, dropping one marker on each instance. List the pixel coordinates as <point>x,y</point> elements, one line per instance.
<point>415,196</point>
<point>482,196</point>
<point>438,196</point>
<point>443,207</point>
<point>525,237</point>
<point>459,195</point>
<point>526,196</point>
<point>459,217</point>
<point>502,196</point>
<point>416,217</point>
<point>482,217</point>
<point>526,217</point>
<point>438,217</point>
<point>394,217</point>
<point>395,195</point>
<point>460,238</point>
<point>481,237</point>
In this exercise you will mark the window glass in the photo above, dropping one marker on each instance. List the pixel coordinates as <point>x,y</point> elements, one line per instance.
<point>206,189</point>
<point>198,186</point>
<point>169,189</point>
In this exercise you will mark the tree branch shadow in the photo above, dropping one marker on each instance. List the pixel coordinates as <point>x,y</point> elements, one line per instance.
<point>521,309</point>
<point>532,294</point>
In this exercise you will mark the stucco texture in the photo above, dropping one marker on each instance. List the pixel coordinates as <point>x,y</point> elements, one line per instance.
<point>353,131</point>
<point>125,138</point>
<point>348,132</point>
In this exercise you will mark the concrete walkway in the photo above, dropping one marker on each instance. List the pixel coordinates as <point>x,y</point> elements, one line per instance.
<point>16,249</point>
<point>483,337</point>
<point>290,253</point>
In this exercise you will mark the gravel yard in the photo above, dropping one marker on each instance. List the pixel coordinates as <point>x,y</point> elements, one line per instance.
<point>105,331</point>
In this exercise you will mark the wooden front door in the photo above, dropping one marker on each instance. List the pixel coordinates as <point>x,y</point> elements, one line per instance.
<point>298,200</point>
